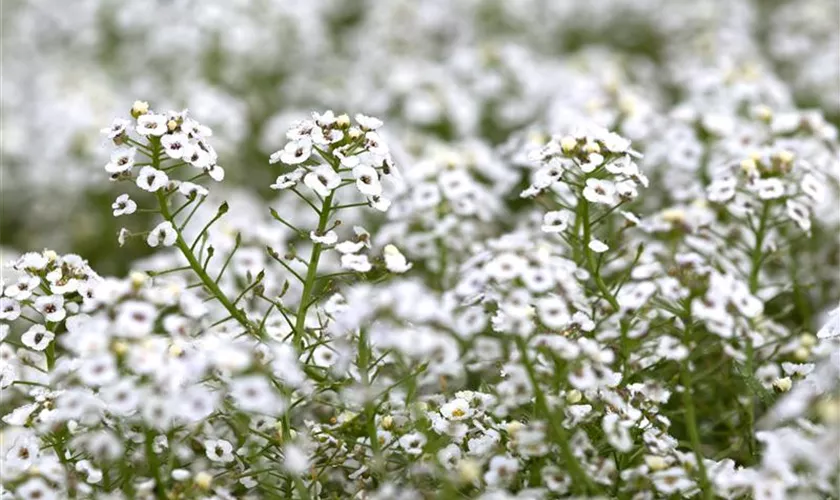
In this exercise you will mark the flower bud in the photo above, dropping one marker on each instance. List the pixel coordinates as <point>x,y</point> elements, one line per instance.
<point>655,462</point>
<point>468,470</point>
<point>574,396</point>
<point>802,354</point>
<point>568,144</point>
<point>342,120</point>
<point>782,384</point>
<point>387,422</point>
<point>807,340</point>
<point>203,480</point>
<point>139,108</point>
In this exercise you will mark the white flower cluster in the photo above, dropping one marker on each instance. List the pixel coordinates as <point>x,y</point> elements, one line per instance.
<point>496,296</point>
<point>344,147</point>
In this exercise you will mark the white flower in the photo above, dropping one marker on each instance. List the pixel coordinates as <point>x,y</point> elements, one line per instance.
<point>219,450</point>
<point>358,263</point>
<point>615,143</point>
<point>813,188</point>
<point>295,459</point>
<point>555,222</point>
<point>722,190</point>
<point>191,190</point>
<point>322,180</point>
<point>770,189</point>
<point>288,180</point>
<point>327,239</point>
<point>52,307</point>
<point>413,443</point>
<point>116,129</point>
<point>253,393</point>
<point>799,214</point>
<point>175,145</point>
<point>502,469</point>
<point>394,260</point>
<point>294,152</point>
<point>196,156</point>
<point>379,203</point>
<point>9,309</point>
<point>23,288</point>
<point>367,180</point>
<point>215,172</point>
<point>598,246</point>
<point>368,122</point>
<point>163,234</point>
<point>123,206</point>
<point>151,179</point>
<point>456,410</point>
<point>350,246</point>
<point>150,124</point>
<point>98,370</point>
<point>37,337</point>
<point>122,159</point>
<point>36,489</point>
<point>599,191</point>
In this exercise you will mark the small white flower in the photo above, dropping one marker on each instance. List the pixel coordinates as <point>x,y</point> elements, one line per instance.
<point>294,152</point>
<point>368,122</point>
<point>813,188</point>
<point>163,234</point>
<point>122,159</point>
<point>191,190</point>
<point>395,261</point>
<point>555,222</point>
<point>799,213</point>
<point>598,246</point>
<point>349,246</point>
<point>175,145</point>
<point>219,450</point>
<point>322,180</point>
<point>288,180</point>
<point>456,410</point>
<point>150,124</point>
<point>215,172</point>
<point>770,189</point>
<point>253,393</point>
<point>116,129</point>
<point>52,307</point>
<point>37,337</point>
<point>9,309</point>
<point>502,469</point>
<point>151,179</point>
<point>599,191</point>
<point>327,239</point>
<point>379,202</point>
<point>367,180</point>
<point>358,263</point>
<point>123,206</point>
<point>413,443</point>
<point>722,190</point>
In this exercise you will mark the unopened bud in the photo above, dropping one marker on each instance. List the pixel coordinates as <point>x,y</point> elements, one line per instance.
<point>139,108</point>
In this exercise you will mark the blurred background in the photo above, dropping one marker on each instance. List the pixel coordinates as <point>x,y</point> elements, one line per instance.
<point>480,74</point>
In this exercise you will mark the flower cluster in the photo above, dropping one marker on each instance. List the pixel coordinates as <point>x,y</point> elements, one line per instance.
<point>592,253</point>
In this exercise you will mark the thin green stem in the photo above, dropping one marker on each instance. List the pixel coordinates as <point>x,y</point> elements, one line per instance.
<point>311,273</point>
<point>555,428</point>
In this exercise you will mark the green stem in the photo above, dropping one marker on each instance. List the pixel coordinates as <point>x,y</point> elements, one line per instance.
<point>196,266</point>
<point>591,264</point>
<point>756,259</point>
<point>311,273</point>
<point>370,409</point>
<point>559,434</point>
<point>154,467</point>
<point>690,412</point>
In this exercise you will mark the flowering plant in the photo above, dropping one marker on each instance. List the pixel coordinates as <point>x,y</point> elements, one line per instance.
<point>625,288</point>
